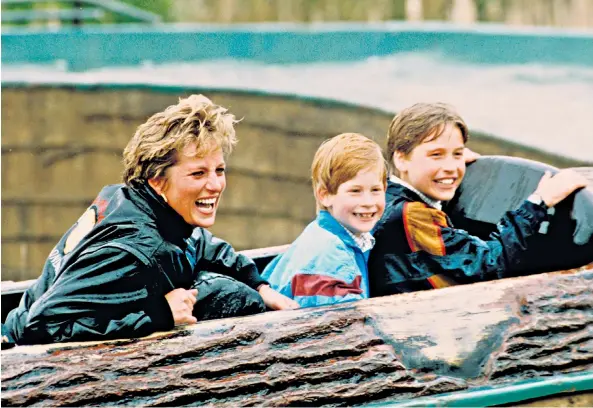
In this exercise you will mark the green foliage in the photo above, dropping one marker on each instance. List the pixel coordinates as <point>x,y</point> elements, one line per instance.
<point>160,7</point>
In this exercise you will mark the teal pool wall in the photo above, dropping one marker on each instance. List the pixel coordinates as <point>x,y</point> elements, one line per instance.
<point>93,47</point>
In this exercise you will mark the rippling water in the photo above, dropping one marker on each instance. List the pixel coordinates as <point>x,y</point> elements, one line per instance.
<point>544,106</point>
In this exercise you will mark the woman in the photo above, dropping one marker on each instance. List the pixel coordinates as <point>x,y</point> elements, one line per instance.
<point>134,262</point>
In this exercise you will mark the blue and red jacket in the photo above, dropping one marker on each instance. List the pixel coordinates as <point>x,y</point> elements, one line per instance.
<point>323,266</point>
<point>417,247</point>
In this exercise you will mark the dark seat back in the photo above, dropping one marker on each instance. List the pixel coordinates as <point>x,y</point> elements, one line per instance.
<point>494,185</point>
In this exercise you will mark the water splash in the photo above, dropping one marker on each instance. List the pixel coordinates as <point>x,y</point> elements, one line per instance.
<point>549,107</point>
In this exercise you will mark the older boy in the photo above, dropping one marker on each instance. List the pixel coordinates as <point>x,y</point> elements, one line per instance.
<point>327,263</point>
<point>416,247</point>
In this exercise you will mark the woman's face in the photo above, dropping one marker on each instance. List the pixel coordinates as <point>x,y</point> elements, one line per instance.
<point>194,185</point>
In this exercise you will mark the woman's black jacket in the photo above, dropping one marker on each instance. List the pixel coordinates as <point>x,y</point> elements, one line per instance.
<point>108,275</point>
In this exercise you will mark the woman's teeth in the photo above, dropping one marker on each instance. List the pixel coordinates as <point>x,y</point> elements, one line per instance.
<point>207,203</point>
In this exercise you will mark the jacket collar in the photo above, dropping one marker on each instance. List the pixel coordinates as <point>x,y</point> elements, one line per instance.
<point>170,224</point>
<point>329,223</point>
<point>364,241</point>
<point>427,200</point>
<point>397,191</point>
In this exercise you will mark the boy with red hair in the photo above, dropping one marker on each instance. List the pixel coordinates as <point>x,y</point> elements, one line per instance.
<point>327,263</point>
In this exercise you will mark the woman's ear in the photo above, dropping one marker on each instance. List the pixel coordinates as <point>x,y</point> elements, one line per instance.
<point>158,184</point>
<point>400,162</point>
<point>324,197</point>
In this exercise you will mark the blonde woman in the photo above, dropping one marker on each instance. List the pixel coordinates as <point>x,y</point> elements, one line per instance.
<point>139,259</point>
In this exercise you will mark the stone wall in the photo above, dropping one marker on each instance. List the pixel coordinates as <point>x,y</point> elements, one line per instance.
<point>60,145</point>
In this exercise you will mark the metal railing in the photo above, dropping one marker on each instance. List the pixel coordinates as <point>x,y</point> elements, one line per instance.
<point>77,14</point>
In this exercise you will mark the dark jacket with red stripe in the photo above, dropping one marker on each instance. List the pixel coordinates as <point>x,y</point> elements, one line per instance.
<point>108,275</point>
<point>323,266</point>
<point>417,247</point>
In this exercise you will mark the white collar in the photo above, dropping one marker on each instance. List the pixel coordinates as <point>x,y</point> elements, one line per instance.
<point>365,241</point>
<point>433,203</point>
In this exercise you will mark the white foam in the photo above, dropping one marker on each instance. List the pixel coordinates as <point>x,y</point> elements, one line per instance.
<point>545,106</point>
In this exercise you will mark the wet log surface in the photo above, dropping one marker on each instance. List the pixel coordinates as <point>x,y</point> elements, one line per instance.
<point>378,350</point>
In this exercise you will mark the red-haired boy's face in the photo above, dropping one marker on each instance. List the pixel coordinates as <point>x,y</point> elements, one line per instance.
<point>435,167</point>
<point>359,202</point>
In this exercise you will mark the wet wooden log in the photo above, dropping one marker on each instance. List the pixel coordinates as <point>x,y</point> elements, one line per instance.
<point>377,350</point>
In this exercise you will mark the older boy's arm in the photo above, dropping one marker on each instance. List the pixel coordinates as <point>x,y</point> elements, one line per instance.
<point>469,156</point>
<point>465,255</point>
<point>438,249</point>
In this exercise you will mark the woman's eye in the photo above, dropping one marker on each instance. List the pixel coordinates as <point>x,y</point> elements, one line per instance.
<point>221,170</point>
<point>197,173</point>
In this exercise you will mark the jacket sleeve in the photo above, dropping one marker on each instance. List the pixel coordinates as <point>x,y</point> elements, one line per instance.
<point>439,249</point>
<point>16,318</point>
<point>104,294</point>
<point>329,278</point>
<point>322,289</point>
<point>215,255</point>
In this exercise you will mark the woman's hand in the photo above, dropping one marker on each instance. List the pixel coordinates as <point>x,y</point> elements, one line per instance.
<point>182,301</point>
<point>275,300</point>
<point>469,155</point>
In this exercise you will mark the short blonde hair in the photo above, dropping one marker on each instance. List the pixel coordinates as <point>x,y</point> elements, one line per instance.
<point>413,125</point>
<point>340,158</point>
<point>156,144</point>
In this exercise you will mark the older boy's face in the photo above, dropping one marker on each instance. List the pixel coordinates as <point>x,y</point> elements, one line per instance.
<point>194,185</point>
<point>359,203</point>
<point>436,167</point>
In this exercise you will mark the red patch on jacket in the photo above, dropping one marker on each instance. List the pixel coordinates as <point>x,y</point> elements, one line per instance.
<point>322,285</point>
<point>101,206</point>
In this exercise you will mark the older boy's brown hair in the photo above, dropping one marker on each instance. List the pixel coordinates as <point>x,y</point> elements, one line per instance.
<point>340,158</point>
<point>414,125</point>
<point>157,143</point>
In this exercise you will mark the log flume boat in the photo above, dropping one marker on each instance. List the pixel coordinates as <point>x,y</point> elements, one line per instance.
<point>521,341</point>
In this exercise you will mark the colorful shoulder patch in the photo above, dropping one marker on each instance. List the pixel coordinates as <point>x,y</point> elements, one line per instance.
<point>423,231</point>
<point>92,216</point>
<point>441,281</point>
<point>423,228</point>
